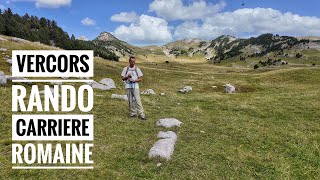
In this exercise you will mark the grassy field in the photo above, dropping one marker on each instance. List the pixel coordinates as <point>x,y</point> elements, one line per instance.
<point>268,129</point>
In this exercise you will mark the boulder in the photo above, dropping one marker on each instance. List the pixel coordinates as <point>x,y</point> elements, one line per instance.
<point>9,61</point>
<point>3,79</point>
<point>169,122</point>
<point>164,147</point>
<point>229,88</point>
<point>108,82</point>
<point>186,89</point>
<point>99,86</point>
<point>148,91</point>
<point>117,96</point>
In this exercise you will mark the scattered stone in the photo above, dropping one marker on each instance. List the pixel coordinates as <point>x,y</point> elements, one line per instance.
<point>202,131</point>
<point>164,147</point>
<point>148,91</point>
<point>117,96</point>
<point>3,49</point>
<point>169,122</point>
<point>3,39</point>
<point>229,88</point>
<point>19,40</point>
<point>6,56</point>
<point>9,61</point>
<point>214,86</point>
<point>3,79</point>
<point>108,82</point>
<point>186,89</point>
<point>99,86</point>
<point>162,94</point>
<point>159,164</point>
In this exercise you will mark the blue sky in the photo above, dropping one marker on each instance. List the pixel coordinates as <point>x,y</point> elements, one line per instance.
<point>147,22</point>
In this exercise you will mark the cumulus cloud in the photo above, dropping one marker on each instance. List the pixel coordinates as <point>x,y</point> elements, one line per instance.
<point>125,17</point>
<point>176,10</point>
<point>146,29</point>
<point>88,22</point>
<point>249,21</point>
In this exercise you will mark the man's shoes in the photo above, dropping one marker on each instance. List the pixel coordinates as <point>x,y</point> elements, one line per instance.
<point>144,118</point>
<point>133,115</point>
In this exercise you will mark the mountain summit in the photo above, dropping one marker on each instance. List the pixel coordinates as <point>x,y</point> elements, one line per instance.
<point>106,36</point>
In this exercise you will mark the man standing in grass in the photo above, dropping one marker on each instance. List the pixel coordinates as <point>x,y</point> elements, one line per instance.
<point>132,75</point>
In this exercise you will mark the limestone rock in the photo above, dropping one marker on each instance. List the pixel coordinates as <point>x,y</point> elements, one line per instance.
<point>169,122</point>
<point>108,82</point>
<point>148,91</point>
<point>186,89</point>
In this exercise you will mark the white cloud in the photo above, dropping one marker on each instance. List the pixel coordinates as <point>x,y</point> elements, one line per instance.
<point>52,4</point>
<point>244,22</point>
<point>176,10</point>
<point>125,17</point>
<point>88,22</point>
<point>46,3</point>
<point>145,30</point>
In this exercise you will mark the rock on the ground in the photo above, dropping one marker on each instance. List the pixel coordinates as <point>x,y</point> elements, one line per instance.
<point>162,94</point>
<point>169,122</point>
<point>19,40</point>
<point>99,86</point>
<point>9,61</point>
<point>186,89</point>
<point>229,88</point>
<point>3,79</point>
<point>3,49</point>
<point>108,82</point>
<point>164,147</point>
<point>3,39</point>
<point>117,96</point>
<point>148,91</point>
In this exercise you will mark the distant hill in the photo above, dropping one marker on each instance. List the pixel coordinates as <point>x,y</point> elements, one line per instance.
<point>226,46</point>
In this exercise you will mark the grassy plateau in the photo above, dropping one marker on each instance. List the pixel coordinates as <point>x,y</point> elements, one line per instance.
<point>268,129</point>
